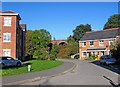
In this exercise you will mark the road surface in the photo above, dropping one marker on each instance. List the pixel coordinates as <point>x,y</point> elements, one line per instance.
<point>85,73</point>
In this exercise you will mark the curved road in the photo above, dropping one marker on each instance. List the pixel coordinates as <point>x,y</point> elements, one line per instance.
<point>85,73</point>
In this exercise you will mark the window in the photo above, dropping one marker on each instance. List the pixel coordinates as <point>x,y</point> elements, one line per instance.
<point>83,43</point>
<point>83,53</point>
<point>101,43</point>
<point>6,52</point>
<point>91,43</point>
<point>6,37</point>
<point>7,21</point>
<point>110,42</point>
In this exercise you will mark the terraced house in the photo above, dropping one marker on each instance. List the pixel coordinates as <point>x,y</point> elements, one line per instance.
<point>97,42</point>
<point>12,35</point>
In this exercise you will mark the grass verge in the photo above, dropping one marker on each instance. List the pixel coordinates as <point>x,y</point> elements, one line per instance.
<point>36,65</point>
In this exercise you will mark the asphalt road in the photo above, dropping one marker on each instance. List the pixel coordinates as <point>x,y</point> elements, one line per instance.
<point>18,79</point>
<point>85,73</point>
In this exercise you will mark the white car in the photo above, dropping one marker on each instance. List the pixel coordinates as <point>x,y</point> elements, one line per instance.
<point>75,56</point>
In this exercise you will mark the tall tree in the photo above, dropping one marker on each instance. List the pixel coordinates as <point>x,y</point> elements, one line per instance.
<point>115,50</point>
<point>70,39</point>
<point>80,31</point>
<point>113,22</point>
<point>36,42</point>
<point>29,45</point>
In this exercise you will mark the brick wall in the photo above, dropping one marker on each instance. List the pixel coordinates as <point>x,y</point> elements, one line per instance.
<point>9,29</point>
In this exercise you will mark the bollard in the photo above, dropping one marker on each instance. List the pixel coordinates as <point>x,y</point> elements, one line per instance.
<point>29,66</point>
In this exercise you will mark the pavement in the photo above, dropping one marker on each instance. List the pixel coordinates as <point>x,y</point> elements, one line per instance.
<point>114,67</point>
<point>34,76</point>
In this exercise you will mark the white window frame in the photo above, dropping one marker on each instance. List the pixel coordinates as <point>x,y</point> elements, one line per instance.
<point>7,21</point>
<point>90,43</point>
<point>83,44</point>
<point>7,50</point>
<point>101,43</point>
<point>7,37</point>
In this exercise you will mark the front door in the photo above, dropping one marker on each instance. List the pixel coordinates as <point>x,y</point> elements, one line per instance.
<point>104,52</point>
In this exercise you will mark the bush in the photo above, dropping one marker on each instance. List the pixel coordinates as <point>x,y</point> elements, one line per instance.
<point>115,50</point>
<point>93,57</point>
<point>40,54</point>
<point>54,52</point>
<point>67,50</point>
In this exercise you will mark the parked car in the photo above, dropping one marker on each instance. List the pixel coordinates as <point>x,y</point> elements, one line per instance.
<point>9,61</point>
<point>107,59</point>
<point>75,56</point>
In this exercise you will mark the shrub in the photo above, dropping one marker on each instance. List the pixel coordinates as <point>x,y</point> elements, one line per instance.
<point>115,50</point>
<point>93,57</point>
<point>67,50</point>
<point>40,54</point>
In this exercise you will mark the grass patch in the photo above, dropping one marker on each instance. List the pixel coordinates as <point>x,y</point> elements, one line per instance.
<point>36,65</point>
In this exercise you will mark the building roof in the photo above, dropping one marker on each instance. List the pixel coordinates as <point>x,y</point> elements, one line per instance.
<point>9,13</point>
<point>101,34</point>
<point>23,26</point>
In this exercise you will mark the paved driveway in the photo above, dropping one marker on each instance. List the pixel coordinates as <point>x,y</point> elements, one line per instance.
<point>85,73</point>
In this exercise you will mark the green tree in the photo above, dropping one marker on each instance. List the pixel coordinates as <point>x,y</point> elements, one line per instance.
<point>29,45</point>
<point>113,22</point>
<point>36,42</point>
<point>54,51</point>
<point>115,50</point>
<point>70,39</point>
<point>80,31</point>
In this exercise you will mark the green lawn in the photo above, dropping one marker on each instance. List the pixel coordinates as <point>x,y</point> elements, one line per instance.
<point>36,65</point>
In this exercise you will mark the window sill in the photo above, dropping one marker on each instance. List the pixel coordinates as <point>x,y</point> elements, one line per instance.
<point>7,25</point>
<point>6,41</point>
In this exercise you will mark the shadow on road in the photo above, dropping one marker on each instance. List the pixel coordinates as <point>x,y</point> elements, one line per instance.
<point>113,68</point>
<point>111,82</point>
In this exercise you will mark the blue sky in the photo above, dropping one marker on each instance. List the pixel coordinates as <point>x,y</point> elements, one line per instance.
<point>61,18</point>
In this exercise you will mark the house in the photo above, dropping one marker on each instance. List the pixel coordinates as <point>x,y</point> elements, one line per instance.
<point>97,42</point>
<point>12,35</point>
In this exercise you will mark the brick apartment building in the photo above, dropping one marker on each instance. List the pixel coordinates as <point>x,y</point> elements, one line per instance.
<point>12,35</point>
<point>97,42</point>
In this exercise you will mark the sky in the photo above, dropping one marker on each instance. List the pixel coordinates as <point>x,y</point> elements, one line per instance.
<point>61,18</point>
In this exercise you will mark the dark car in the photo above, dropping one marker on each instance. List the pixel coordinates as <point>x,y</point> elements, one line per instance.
<point>107,59</point>
<point>9,61</point>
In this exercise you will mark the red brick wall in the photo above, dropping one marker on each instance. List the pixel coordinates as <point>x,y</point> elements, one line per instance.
<point>0,35</point>
<point>9,29</point>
